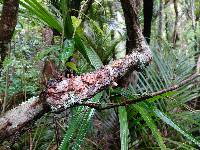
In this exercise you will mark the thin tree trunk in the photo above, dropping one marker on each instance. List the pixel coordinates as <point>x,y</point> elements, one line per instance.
<point>7,26</point>
<point>130,9</point>
<point>148,13</point>
<point>131,21</point>
<point>175,23</point>
<point>167,27</point>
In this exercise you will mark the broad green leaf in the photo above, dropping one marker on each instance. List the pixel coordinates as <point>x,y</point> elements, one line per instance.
<point>90,55</point>
<point>68,49</point>
<point>83,129</point>
<point>72,66</point>
<point>42,13</point>
<point>74,124</point>
<point>85,124</point>
<point>68,29</point>
<point>75,21</point>
<point>93,58</point>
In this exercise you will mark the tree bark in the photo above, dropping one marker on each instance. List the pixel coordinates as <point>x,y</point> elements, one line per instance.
<point>7,26</point>
<point>16,121</point>
<point>130,9</point>
<point>130,14</point>
<point>148,13</point>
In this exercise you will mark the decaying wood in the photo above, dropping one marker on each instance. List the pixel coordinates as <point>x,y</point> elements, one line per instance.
<point>16,120</point>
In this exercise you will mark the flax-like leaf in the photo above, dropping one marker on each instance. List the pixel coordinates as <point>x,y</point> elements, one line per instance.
<point>124,132</point>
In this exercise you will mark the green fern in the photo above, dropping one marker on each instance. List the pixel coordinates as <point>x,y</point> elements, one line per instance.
<point>78,126</point>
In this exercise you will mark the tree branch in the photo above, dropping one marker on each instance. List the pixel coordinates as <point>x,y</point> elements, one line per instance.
<point>17,120</point>
<point>100,106</point>
<point>65,92</point>
<point>62,93</point>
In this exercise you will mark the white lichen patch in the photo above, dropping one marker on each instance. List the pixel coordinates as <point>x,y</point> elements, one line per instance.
<point>21,114</point>
<point>71,99</point>
<point>62,85</point>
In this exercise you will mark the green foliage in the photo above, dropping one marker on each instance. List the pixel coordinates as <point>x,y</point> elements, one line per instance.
<point>100,40</point>
<point>168,121</point>
<point>42,13</point>
<point>68,49</point>
<point>150,123</point>
<point>78,126</point>
<point>67,29</point>
<point>162,74</point>
<point>124,132</point>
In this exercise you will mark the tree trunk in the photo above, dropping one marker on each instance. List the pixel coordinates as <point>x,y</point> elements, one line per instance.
<point>148,13</point>
<point>131,20</point>
<point>7,26</point>
<point>130,9</point>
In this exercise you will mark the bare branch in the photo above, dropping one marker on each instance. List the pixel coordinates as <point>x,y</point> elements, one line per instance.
<point>99,106</point>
